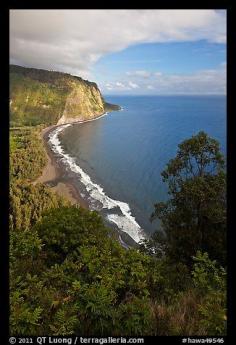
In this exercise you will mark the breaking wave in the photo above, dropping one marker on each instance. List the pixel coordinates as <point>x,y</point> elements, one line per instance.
<point>100,201</point>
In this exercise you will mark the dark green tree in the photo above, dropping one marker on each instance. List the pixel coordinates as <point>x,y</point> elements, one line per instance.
<point>194,218</point>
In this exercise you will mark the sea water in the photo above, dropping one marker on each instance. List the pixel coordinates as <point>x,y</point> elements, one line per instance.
<point>118,159</point>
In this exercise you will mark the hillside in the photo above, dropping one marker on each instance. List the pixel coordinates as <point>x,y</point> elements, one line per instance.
<point>46,97</point>
<point>68,273</point>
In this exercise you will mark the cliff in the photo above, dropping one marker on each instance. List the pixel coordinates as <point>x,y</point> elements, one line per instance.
<point>46,97</point>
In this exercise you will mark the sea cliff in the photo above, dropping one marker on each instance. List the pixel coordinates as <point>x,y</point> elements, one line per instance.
<point>47,97</point>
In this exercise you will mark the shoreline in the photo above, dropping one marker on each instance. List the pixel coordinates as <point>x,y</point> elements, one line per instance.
<point>53,174</point>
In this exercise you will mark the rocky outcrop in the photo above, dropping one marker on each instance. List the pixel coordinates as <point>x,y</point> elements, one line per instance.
<point>83,103</point>
<point>47,97</point>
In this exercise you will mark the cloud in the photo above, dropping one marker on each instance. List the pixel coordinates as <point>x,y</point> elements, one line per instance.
<point>201,82</point>
<point>120,84</point>
<point>133,85</point>
<point>108,86</point>
<point>208,81</point>
<point>73,40</point>
<point>144,74</point>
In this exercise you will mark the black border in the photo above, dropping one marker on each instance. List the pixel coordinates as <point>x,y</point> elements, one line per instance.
<point>231,171</point>
<point>4,177</point>
<point>4,144</point>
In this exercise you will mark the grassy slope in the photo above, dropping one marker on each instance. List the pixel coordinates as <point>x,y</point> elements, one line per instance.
<point>39,96</point>
<point>89,284</point>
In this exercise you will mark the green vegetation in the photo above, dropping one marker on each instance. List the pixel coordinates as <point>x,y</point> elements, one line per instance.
<point>68,273</point>
<point>194,218</point>
<point>111,107</point>
<point>40,97</point>
<point>36,101</point>
<point>27,155</point>
<point>81,281</point>
<point>27,158</point>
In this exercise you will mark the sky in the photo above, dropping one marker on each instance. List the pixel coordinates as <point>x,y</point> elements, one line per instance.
<point>133,52</point>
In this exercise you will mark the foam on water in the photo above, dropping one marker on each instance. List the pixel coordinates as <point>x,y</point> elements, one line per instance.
<point>125,221</point>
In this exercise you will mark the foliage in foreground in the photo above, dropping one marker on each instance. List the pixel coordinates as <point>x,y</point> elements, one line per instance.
<point>81,281</point>
<point>69,276</point>
<point>194,218</point>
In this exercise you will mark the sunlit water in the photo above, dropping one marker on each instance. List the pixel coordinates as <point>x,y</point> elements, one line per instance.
<point>118,158</point>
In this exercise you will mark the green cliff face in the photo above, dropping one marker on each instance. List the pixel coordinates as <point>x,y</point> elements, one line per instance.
<point>46,97</point>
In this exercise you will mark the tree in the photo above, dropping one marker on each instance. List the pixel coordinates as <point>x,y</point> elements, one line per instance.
<point>194,218</point>
<point>210,283</point>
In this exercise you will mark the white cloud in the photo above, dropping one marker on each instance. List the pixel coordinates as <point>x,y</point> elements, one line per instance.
<point>144,74</point>
<point>117,86</point>
<point>133,85</point>
<point>209,81</point>
<point>109,86</point>
<point>73,40</point>
<point>212,81</point>
<point>120,84</point>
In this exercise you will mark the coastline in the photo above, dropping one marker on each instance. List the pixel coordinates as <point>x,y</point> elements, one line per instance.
<point>53,174</point>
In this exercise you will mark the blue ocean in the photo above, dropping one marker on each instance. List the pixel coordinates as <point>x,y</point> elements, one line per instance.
<point>117,159</point>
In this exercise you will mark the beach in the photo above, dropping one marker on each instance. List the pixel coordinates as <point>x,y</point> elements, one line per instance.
<point>53,175</point>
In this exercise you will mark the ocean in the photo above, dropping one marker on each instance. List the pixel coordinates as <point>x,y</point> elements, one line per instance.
<point>117,159</point>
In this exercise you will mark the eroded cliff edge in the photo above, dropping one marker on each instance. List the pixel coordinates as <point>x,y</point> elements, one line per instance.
<point>46,97</point>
